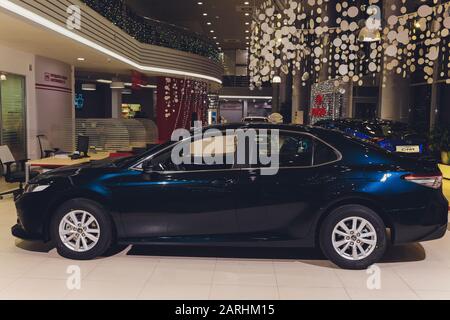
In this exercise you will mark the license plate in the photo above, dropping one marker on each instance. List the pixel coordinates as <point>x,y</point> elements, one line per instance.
<point>408,149</point>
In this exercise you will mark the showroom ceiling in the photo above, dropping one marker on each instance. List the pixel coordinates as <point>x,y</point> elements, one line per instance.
<point>225,21</point>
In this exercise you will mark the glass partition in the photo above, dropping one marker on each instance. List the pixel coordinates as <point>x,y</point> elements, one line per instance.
<point>13,115</point>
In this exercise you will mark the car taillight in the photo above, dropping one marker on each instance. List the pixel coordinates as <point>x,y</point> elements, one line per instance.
<point>430,181</point>
<point>376,140</point>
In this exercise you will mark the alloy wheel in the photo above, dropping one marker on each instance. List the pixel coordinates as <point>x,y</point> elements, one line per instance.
<point>79,231</point>
<point>354,238</point>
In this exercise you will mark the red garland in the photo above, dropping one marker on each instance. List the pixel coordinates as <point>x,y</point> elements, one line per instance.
<point>319,111</point>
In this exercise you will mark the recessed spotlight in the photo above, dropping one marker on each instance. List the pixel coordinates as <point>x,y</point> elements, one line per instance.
<point>247,14</point>
<point>205,14</point>
<point>88,87</point>
<point>104,81</point>
<point>200,3</point>
<point>81,59</point>
<point>246,38</point>
<point>247,3</point>
<point>209,23</point>
<point>247,23</point>
<point>214,37</point>
<point>247,31</point>
<point>212,31</point>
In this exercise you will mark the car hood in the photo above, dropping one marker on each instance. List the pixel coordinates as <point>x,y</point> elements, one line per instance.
<point>93,167</point>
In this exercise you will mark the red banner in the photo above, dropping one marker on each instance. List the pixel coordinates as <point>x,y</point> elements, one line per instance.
<point>180,101</point>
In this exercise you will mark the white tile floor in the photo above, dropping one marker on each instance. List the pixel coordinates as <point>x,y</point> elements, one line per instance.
<point>417,271</point>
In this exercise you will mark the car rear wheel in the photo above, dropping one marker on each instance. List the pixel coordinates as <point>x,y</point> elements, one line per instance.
<point>81,230</point>
<point>353,237</point>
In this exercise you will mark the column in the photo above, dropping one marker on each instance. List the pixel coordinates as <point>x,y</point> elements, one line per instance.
<point>116,103</point>
<point>394,89</point>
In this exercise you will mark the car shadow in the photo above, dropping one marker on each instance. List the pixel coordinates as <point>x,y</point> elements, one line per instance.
<point>403,253</point>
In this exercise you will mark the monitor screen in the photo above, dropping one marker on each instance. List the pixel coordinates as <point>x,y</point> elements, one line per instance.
<point>83,145</point>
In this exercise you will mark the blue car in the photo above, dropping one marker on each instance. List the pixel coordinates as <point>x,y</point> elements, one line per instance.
<point>329,191</point>
<point>390,135</point>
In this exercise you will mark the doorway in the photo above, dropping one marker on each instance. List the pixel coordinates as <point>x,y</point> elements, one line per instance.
<point>13,115</point>
<point>366,111</point>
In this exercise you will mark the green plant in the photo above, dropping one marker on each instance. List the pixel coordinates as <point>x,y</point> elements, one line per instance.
<point>440,139</point>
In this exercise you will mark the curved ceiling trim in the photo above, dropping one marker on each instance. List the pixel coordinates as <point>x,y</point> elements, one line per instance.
<point>16,9</point>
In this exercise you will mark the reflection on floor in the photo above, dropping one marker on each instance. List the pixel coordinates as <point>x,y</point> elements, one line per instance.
<point>35,271</point>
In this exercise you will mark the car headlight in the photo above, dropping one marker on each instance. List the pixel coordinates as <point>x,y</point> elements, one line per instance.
<point>29,188</point>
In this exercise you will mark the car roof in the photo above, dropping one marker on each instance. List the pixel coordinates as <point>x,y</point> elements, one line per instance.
<point>270,126</point>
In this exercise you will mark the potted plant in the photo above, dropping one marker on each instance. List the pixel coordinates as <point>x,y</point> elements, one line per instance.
<point>440,144</point>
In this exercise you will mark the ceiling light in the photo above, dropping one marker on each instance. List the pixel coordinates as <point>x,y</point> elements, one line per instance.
<point>214,37</point>
<point>246,97</point>
<point>88,87</point>
<point>247,14</point>
<point>209,23</point>
<point>104,81</point>
<point>2,77</point>
<point>247,3</point>
<point>247,23</point>
<point>247,31</point>
<point>367,35</point>
<point>276,79</point>
<point>200,3</point>
<point>81,59</point>
<point>205,14</point>
<point>212,31</point>
<point>149,86</point>
<point>117,85</point>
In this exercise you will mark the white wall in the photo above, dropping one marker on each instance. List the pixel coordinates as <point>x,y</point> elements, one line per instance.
<point>23,63</point>
<point>49,97</point>
<point>54,102</point>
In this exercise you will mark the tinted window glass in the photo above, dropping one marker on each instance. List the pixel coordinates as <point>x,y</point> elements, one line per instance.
<point>323,154</point>
<point>292,150</point>
<point>295,150</point>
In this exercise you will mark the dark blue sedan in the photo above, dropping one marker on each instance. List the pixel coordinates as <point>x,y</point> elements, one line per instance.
<point>329,190</point>
<point>390,135</point>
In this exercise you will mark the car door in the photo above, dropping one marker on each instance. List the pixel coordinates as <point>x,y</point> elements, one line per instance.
<point>185,200</point>
<point>283,205</point>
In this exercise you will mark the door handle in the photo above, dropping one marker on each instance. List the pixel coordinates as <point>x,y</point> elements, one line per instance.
<point>223,182</point>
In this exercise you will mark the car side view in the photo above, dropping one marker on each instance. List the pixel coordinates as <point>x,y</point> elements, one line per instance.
<point>331,191</point>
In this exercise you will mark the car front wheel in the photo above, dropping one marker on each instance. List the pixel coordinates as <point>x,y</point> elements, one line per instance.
<point>353,237</point>
<point>81,230</point>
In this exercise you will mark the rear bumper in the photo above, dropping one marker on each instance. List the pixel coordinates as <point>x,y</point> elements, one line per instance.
<point>422,224</point>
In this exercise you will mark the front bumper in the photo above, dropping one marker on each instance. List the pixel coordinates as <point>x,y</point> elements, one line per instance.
<point>18,232</point>
<point>32,216</point>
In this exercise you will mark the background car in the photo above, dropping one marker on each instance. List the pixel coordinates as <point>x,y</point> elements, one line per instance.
<point>255,120</point>
<point>331,191</point>
<point>390,135</point>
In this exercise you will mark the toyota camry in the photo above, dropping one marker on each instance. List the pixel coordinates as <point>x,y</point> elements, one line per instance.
<point>329,190</point>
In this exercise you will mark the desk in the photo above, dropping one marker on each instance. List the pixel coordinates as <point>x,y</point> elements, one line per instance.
<point>54,162</point>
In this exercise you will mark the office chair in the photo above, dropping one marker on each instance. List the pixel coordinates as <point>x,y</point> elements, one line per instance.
<point>44,145</point>
<point>14,171</point>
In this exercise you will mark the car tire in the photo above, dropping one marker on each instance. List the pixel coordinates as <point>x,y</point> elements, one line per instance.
<point>87,239</point>
<point>353,237</point>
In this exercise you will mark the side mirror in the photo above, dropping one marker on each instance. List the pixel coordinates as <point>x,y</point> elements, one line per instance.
<point>150,166</point>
